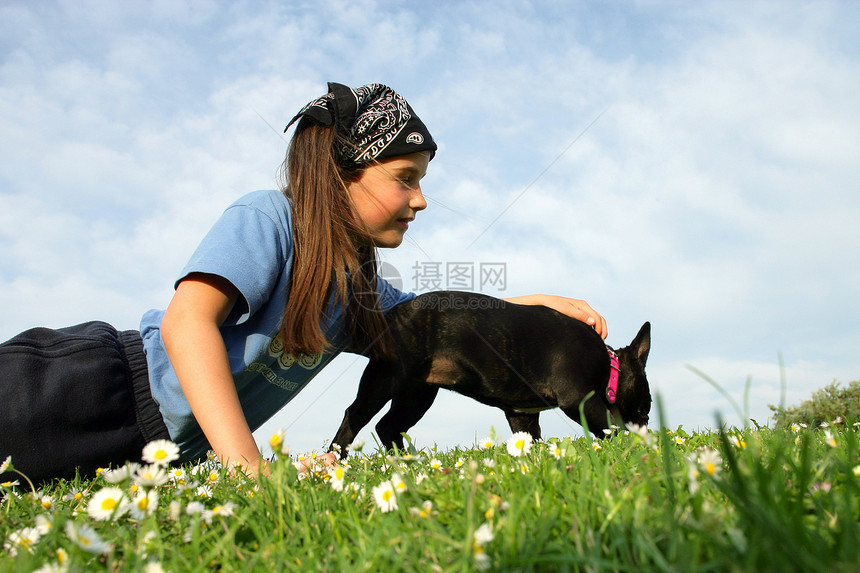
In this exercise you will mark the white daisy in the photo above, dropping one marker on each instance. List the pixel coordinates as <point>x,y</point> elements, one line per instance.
<point>46,501</point>
<point>487,443</point>
<point>425,511</point>
<point>385,497</point>
<point>520,444</point>
<point>147,544</point>
<point>152,475</point>
<point>23,539</point>
<point>195,508</point>
<point>709,460</point>
<point>106,503</point>
<point>174,510</point>
<point>482,560</point>
<point>409,459</point>
<point>74,495</point>
<point>63,557</point>
<point>692,473</point>
<point>640,432</point>
<point>177,475</point>
<point>737,442</point>
<point>160,452</point>
<point>153,567</point>
<point>336,475</point>
<point>44,523</point>
<point>225,510</point>
<point>145,503</point>
<point>120,474</point>
<point>86,538</point>
<point>398,483</point>
<point>483,535</point>
<point>52,568</point>
<point>6,465</point>
<point>278,443</point>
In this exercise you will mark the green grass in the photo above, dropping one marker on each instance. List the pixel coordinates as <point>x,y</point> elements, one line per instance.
<point>774,500</point>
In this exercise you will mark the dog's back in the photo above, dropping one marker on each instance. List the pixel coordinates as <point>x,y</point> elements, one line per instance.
<point>496,352</point>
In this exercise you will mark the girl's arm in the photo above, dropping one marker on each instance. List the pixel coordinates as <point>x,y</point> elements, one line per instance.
<point>191,335</point>
<point>578,309</point>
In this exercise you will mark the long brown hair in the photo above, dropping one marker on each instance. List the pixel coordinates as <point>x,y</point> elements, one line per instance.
<point>332,252</point>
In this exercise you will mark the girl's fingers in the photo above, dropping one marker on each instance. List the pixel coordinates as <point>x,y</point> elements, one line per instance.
<point>326,460</point>
<point>591,317</point>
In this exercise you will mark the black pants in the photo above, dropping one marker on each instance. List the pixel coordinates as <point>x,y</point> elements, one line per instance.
<point>75,398</point>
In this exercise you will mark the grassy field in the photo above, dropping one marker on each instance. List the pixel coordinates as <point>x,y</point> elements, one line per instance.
<point>752,499</point>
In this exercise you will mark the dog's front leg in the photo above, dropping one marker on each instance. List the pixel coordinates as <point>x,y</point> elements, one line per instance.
<point>407,407</point>
<point>522,422</point>
<point>374,390</point>
<point>597,416</point>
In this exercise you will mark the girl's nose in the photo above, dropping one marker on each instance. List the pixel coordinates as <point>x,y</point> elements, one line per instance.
<point>417,201</point>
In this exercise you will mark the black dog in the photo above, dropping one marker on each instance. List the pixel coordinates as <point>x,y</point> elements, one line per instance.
<point>522,359</point>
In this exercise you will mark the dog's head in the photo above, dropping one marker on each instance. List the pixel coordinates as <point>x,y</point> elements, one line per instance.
<point>634,394</point>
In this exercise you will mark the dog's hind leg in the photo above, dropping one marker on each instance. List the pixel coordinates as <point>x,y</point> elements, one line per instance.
<point>522,422</point>
<point>406,409</point>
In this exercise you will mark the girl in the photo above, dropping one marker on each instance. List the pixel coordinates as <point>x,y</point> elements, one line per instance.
<point>281,284</point>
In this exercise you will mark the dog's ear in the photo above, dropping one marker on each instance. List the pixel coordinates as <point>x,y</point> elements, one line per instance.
<point>641,345</point>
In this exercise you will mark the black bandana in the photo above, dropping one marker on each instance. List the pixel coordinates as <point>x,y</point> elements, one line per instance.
<point>377,122</point>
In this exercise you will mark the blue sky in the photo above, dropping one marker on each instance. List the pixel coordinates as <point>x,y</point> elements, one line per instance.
<point>691,164</point>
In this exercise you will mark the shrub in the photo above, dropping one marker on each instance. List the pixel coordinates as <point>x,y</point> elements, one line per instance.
<point>826,405</point>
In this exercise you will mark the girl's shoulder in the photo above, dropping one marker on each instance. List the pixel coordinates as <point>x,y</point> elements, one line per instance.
<point>267,200</point>
<point>266,204</point>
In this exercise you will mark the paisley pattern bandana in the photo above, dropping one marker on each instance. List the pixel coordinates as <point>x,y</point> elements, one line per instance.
<point>376,122</point>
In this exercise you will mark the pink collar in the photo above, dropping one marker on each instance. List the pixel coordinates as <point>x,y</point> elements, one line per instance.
<point>614,369</point>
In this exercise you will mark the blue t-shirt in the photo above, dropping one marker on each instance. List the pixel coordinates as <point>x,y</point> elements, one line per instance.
<point>251,246</point>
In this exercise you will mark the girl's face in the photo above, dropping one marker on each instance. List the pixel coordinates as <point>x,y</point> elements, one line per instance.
<point>387,196</point>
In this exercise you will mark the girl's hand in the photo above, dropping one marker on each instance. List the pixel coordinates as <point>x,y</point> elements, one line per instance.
<point>252,471</point>
<point>574,308</point>
<point>326,460</point>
